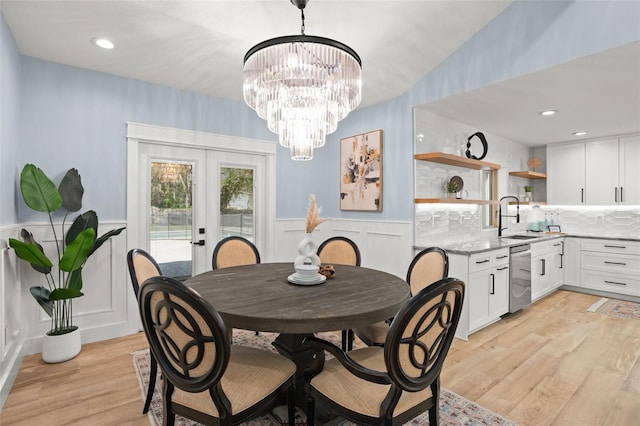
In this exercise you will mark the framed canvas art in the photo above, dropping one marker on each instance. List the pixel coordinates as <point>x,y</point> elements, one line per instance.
<point>361,172</point>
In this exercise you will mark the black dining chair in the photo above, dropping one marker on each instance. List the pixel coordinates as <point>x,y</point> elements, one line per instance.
<point>207,379</point>
<point>234,251</point>
<point>340,251</point>
<point>142,266</point>
<point>393,384</point>
<point>427,267</point>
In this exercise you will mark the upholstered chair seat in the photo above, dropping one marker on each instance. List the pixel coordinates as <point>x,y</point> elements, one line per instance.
<point>251,374</point>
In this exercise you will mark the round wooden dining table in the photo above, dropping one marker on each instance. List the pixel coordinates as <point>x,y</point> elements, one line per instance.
<point>259,297</point>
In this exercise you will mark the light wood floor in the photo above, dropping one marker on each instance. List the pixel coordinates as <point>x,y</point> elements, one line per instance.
<point>552,364</point>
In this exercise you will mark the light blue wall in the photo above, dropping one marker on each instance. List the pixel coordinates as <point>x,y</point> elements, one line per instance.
<point>76,118</point>
<point>10,69</point>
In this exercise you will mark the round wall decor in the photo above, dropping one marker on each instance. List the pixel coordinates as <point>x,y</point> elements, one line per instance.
<point>480,136</point>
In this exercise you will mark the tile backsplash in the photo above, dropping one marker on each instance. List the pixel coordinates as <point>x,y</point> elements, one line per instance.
<point>440,223</point>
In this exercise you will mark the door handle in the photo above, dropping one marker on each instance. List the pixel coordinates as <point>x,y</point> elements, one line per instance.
<point>493,284</point>
<point>582,195</point>
<point>198,243</point>
<point>621,198</point>
<point>544,267</point>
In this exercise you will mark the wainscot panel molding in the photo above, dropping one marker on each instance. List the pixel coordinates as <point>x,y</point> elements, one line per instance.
<point>11,335</point>
<point>104,312</point>
<point>384,245</point>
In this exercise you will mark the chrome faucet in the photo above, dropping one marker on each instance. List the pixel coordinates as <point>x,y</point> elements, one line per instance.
<point>500,216</point>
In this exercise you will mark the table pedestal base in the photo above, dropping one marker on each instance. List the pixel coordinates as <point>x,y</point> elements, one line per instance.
<point>308,362</point>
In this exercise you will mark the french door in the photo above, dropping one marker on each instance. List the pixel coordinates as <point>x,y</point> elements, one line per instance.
<point>185,198</point>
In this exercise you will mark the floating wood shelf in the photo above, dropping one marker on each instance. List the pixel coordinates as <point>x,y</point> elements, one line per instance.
<point>453,201</point>
<point>456,160</point>
<point>529,175</point>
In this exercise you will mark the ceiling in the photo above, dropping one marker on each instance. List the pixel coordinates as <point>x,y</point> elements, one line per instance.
<point>599,94</point>
<point>200,45</point>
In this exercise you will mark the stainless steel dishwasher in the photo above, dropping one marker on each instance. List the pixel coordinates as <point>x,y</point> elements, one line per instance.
<point>519,277</point>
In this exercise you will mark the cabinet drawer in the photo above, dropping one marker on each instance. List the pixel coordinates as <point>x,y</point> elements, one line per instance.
<point>488,259</point>
<point>615,283</point>
<point>611,246</point>
<point>545,247</point>
<point>616,263</point>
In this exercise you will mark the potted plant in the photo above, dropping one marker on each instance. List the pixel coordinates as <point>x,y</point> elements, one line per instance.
<point>72,249</point>
<point>527,193</point>
<point>452,188</point>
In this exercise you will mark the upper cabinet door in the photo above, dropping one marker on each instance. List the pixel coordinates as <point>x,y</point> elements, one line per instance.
<point>566,174</point>
<point>630,170</point>
<point>601,176</point>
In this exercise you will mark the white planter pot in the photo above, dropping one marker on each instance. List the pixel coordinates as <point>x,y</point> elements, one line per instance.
<point>60,348</point>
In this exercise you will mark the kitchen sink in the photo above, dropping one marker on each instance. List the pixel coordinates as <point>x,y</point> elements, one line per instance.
<point>520,237</point>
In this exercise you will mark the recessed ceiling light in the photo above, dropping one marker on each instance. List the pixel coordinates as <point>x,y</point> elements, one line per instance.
<point>548,112</point>
<point>582,133</point>
<point>102,42</point>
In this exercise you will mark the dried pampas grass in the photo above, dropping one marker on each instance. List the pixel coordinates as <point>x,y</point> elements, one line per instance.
<point>313,214</point>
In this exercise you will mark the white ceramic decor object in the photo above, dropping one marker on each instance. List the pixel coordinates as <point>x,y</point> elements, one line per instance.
<point>307,251</point>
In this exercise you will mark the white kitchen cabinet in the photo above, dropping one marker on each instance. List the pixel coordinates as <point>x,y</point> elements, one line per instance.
<point>611,265</point>
<point>566,174</point>
<point>629,149</point>
<point>487,292</point>
<point>545,272</point>
<point>571,262</point>
<point>603,172</point>
<point>557,263</point>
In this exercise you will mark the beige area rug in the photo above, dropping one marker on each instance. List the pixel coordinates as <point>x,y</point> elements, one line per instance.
<point>454,409</point>
<point>616,308</point>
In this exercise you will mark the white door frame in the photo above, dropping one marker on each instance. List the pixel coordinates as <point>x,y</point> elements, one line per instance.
<point>138,133</point>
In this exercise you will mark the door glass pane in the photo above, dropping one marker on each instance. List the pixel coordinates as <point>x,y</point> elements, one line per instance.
<point>171,214</point>
<point>236,203</point>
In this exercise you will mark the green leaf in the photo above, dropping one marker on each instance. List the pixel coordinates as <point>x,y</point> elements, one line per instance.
<point>71,191</point>
<point>77,251</point>
<point>41,295</point>
<point>31,253</point>
<point>38,191</point>
<point>75,280</point>
<point>85,221</point>
<point>104,237</point>
<point>27,237</point>
<point>65,294</point>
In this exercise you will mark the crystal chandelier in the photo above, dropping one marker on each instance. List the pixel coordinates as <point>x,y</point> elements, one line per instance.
<point>302,85</point>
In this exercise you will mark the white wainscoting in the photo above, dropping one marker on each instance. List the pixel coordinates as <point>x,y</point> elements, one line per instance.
<point>103,313</point>
<point>385,246</point>
<point>11,336</point>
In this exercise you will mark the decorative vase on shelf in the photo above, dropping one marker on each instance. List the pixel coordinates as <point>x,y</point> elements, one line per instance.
<point>528,196</point>
<point>307,251</point>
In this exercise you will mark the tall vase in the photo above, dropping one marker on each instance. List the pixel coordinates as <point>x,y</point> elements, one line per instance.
<point>307,251</point>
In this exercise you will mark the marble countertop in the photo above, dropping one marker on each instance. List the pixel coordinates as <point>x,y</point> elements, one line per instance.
<point>495,243</point>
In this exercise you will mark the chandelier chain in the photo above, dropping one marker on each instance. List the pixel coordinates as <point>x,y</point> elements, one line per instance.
<point>302,26</point>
